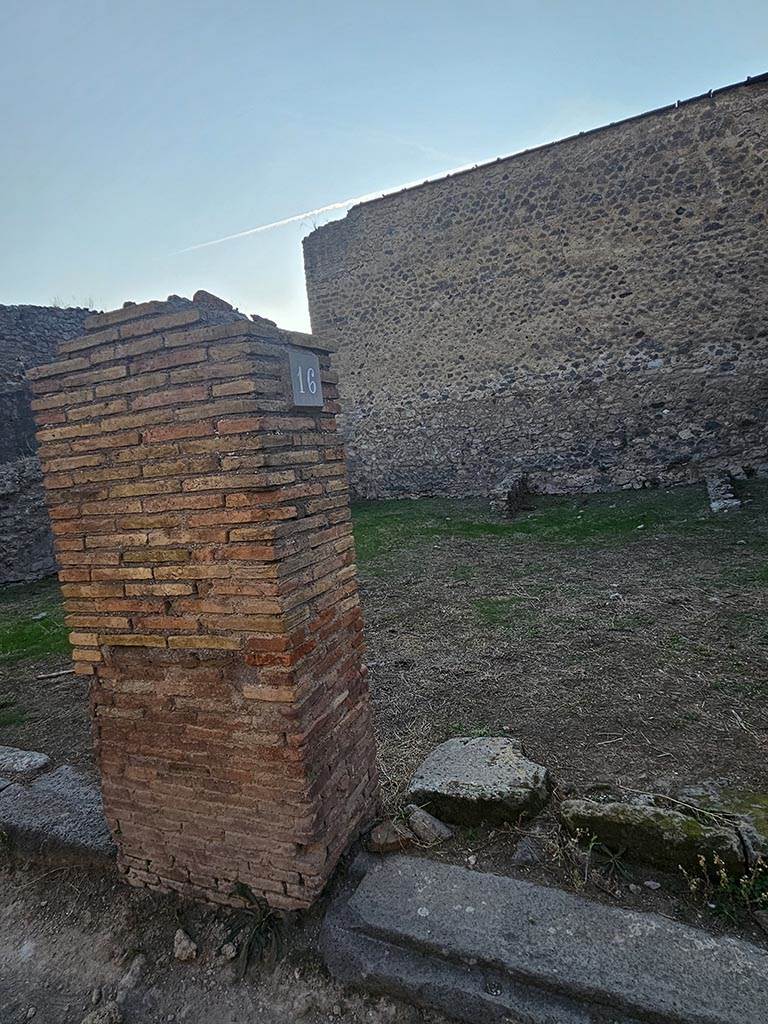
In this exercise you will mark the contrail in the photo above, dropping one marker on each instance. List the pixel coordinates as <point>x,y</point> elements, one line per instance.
<point>341,205</point>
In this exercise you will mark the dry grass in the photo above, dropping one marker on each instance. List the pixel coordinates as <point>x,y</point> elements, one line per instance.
<point>619,636</point>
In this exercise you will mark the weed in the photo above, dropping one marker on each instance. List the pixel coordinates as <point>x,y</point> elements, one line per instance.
<point>725,895</point>
<point>497,611</point>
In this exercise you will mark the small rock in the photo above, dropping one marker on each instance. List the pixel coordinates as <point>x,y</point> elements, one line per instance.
<point>229,951</point>
<point>472,860</point>
<point>387,837</point>
<point>650,884</point>
<point>130,979</point>
<point>509,496</point>
<point>721,494</point>
<point>634,888</point>
<point>426,827</point>
<point>31,1012</point>
<point>22,765</point>
<point>109,1013</point>
<point>183,947</point>
<point>527,851</point>
<point>468,781</point>
<point>95,997</point>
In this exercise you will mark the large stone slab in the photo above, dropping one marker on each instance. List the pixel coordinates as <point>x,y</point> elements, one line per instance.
<point>468,781</point>
<point>489,949</point>
<point>59,815</point>
<point>20,765</point>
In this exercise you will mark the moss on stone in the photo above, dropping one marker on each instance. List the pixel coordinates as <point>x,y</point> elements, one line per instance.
<point>665,838</point>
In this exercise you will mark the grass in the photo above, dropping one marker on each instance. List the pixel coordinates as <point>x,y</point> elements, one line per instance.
<point>385,528</point>
<point>498,611</point>
<point>31,622</point>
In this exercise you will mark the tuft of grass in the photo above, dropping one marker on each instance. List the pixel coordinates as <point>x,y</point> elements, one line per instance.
<point>729,897</point>
<point>498,611</point>
<point>474,732</point>
<point>31,622</point>
<point>10,714</point>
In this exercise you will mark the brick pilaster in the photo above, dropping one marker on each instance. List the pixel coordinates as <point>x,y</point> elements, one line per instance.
<point>202,529</point>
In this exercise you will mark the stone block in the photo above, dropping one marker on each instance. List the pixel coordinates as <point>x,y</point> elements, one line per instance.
<point>490,950</point>
<point>468,781</point>
<point>58,816</point>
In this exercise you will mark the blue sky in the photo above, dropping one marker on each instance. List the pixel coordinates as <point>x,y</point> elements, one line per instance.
<point>132,130</point>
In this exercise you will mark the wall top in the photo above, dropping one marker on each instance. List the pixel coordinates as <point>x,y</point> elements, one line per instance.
<point>333,227</point>
<point>205,313</point>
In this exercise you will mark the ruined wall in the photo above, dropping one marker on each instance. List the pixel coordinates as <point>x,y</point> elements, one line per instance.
<point>592,312</point>
<point>29,336</point>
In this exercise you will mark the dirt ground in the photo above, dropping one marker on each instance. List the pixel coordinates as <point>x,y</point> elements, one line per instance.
<point>71,940</point>
<point>622,637</point>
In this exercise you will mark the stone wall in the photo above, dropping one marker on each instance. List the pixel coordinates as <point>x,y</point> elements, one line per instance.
<point>204,539</point>
<point>28,337</point>
<point>593,313</point>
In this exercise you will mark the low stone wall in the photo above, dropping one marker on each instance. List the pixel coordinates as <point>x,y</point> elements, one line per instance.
<point>26,544</point>
<point>29,336</point>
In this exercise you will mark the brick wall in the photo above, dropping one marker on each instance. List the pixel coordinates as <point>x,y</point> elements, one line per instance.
<point>28,336</point>
<point>593,313</point>
<point>202,527</point>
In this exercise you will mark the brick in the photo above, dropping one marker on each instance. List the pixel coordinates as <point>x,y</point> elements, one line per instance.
<point>165,360</point>
<point>132,311</point>
<point>61,366</point>
<point>171,396</point>
<point>132,640</point>
<point>148,553</point>
<point>179,430</point>
<point>205,643</point>
<point>96,409</point>
<point>221,481</point>
<point>144,487</point>
<point>131,385</point>
<point>159,589</point>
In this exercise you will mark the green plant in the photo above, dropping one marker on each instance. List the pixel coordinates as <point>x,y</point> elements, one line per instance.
<point>725,895</point>
<point>258,929</point>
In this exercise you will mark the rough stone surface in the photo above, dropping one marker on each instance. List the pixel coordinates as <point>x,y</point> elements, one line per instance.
<point>721,494</point>
<point>509,496</point>
<point>527,851</point>
<point>19,765</point>
<point>28,336</point>
<point>183,947</point>
<point>490,950</point>
<point>657,835</point>
<point>591,313</point>
<point>58,815</point>
<point>109,1013</point>
<point>467,781</point>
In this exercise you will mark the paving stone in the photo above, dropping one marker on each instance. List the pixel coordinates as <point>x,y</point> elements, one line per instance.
<point>20,765</point>
<point>468,781</point>
<point>488,949</point>
<point>58,815</point>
